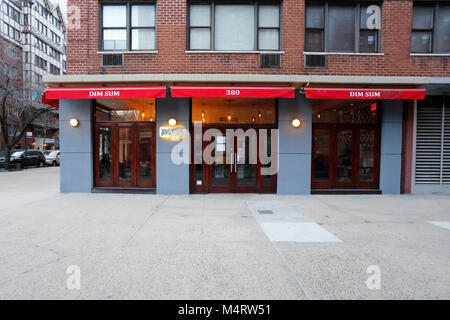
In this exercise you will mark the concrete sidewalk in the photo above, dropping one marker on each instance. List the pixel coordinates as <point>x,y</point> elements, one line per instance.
<point>218,246</point>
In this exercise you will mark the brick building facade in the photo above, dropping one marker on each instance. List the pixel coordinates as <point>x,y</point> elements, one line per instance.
<point>354,45</point>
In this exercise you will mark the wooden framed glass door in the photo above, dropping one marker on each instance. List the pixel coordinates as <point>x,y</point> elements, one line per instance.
<point>124,155</point>
<point>221,178</point>
<point>345,156</point>
<point>241,172</point>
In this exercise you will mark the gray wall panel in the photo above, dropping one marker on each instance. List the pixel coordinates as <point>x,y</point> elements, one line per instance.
<point>294,175</point>
<point>170,177</point>
<point>391,146</point>
<point>76,172</point>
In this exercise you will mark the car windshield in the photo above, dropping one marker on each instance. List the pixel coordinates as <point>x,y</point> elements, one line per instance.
<point>51,153</point>
<point>17,154</point>
<point>47,152</point>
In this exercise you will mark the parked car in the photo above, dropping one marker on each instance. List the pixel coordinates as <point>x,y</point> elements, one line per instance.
<point>25,158</point>
<point>52,157</point>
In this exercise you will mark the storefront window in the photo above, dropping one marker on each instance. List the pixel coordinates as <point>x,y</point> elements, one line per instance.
<point>125,110</point>
<point>233,111</point>
<point>346,147</point>
<point>345,111</point>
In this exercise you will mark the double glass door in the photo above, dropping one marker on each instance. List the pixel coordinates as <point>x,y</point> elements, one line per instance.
<point>124,155</point>
<point>235,165</point>
<point>345,157</point>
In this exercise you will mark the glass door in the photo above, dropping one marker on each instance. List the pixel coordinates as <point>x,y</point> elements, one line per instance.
<point>238,170</point>
<point>246,163</point>
<point>125,155</point>
<point>103,157</point>
<point>126,165</point>
<point>145,162</point>
<point>369,157</point>
<point>345,157</point>
<point>221,168</point>
<point>322,175</point>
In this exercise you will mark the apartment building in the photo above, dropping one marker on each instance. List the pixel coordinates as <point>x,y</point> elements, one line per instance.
<point>345,97</point>
<point>36,31</point>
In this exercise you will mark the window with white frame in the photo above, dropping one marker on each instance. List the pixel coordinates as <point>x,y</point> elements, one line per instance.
<point>431,28</point>
<point>231,26</point>
<point>128,26</point>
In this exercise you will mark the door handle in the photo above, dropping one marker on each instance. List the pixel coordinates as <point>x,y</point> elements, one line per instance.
<point>235,162</point>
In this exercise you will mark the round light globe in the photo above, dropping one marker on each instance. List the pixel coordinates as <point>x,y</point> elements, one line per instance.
<point>172,122</point>
<point>296,123</point>
<point>74,122</point>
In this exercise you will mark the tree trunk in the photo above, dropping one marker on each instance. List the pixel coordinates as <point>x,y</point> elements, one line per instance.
<point>7,158</point>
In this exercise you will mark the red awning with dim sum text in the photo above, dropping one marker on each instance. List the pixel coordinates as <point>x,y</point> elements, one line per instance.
<point>105,92</point>
<point>364,93</point>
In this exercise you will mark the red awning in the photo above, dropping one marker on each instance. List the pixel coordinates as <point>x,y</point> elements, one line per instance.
<point>53,103</point>
<point>230,92</point>
<point>359,93</point>
<point>105,92</point>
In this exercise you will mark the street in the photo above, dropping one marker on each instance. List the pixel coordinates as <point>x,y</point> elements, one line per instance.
<point>223,246</point>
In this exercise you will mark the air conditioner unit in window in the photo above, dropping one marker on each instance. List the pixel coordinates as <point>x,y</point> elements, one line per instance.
<point>270,60</point>
<point>315,61</point>
<point>113,60</point>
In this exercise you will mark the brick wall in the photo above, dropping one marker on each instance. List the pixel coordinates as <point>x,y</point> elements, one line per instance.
<point>172,58</point>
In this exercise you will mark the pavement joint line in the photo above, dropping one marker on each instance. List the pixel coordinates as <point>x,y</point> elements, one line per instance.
<point>155,209</point>
<point>291,271</point>
<point>283,259</point>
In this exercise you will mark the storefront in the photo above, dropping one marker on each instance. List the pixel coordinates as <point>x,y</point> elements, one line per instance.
<point>259,138</point>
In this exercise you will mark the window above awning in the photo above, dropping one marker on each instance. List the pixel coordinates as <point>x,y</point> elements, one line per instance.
<point>364,93</point>
<point>232,92</point>
<point>105,92</point>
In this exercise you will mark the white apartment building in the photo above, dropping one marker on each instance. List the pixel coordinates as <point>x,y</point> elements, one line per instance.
<point>36,30</point>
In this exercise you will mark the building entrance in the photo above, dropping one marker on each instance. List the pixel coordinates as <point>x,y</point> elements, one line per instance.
<point>233,153</point>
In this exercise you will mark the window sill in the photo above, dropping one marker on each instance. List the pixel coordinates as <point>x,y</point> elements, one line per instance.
<point>346,53</point>
<point>430,54</point>
<point>127,52</point>
<point>231,51</point>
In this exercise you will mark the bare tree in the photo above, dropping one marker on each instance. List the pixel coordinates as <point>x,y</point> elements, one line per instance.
<point>19,102</point>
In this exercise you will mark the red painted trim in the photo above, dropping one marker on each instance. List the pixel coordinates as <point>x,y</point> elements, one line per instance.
<point>232,92</point>
<point>363,93</point>
<point>105,92</point>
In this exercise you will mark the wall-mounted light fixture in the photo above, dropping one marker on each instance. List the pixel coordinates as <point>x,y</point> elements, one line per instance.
<point>172,122</point>
<point>74,122</point>
<point>296,123</point>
